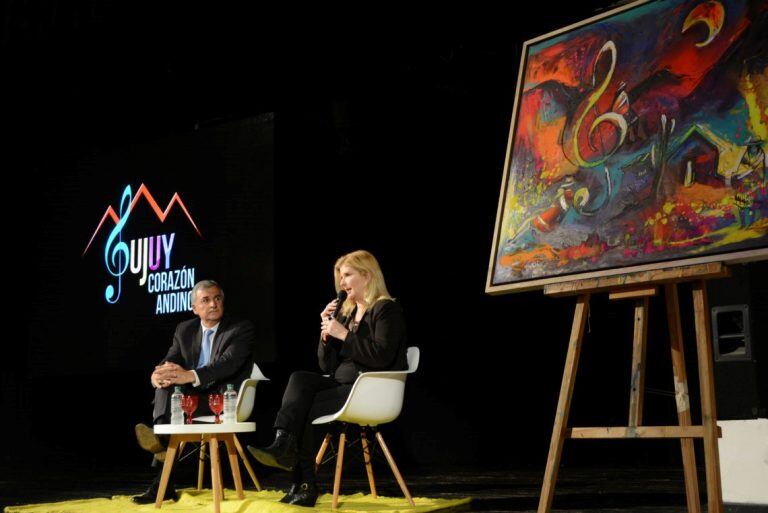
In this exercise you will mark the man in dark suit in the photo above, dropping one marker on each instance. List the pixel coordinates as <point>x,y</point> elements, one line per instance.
<point>205,356</point>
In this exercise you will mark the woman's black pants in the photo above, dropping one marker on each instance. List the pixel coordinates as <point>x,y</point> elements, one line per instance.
<point>308,396</point>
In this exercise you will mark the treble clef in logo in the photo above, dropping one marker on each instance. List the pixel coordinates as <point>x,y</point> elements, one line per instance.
<point>116,252</point>
<point>571,135</point>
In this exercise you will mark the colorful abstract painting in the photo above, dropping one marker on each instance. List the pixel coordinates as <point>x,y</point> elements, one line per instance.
<point>637,137</point>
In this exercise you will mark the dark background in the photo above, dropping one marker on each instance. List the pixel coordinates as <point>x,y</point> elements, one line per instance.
<point>391,126</point>
<point>234,215</point>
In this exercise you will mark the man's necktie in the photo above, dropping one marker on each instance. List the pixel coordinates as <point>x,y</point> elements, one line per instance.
<point>205,350</point>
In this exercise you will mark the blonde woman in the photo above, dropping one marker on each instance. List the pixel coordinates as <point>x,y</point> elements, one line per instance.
<point>368,335</point>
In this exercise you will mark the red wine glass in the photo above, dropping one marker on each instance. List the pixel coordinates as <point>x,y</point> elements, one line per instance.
<point>216,403</point>
<point>189,405</point>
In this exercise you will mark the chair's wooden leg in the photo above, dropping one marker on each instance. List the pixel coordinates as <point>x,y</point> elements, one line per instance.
<point>681,397</point>
<point>234,465</point>
<point>170,457</point>
<point>215,475</point>
<point>201,466</point>
<point>181,448</point>
<point>321,452</point>
<point>339,465</point>
<point>367,460</point>
<point>393,466</point>
<point>247,463</point>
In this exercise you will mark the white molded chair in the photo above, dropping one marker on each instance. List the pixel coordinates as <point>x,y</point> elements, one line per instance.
<point>246,398</point>
<point>376,398</point>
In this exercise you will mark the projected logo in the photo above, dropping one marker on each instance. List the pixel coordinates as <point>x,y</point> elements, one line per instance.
<point>150,258</point>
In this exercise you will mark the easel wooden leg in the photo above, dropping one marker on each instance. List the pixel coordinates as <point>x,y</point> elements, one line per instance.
<point>638,363</point>
<point>564,404</point>
<point>708,407</point>
<point>681,396</point>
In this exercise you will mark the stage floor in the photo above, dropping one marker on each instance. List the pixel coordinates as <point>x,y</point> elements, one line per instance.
<point>601,490</point>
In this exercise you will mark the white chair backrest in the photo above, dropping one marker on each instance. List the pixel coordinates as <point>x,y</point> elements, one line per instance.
<point>247,394</point>
<point>257,374</point>
<point>377,397</point>
<point>245,397</point>
<point>413,359</point>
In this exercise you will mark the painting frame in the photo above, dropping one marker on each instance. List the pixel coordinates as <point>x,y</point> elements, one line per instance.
<point>500,286</point>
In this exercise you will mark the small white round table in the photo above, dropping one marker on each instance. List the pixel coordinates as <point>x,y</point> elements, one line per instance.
<point>212,434</point>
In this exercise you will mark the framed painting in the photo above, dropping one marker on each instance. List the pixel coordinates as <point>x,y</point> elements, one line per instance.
<point>638,141</point>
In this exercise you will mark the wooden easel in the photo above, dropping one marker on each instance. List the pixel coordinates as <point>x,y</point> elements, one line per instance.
<point>640,286</point>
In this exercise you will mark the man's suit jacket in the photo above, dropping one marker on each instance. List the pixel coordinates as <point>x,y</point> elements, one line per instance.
<point>231,357</point>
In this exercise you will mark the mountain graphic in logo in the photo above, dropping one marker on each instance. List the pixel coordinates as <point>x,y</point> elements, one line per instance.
<point>143,192</point>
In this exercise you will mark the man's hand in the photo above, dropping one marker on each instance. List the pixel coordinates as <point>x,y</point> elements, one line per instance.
<point>168,374</point>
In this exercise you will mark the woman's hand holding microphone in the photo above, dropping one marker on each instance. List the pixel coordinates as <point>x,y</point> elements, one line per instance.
<point>329,326</point>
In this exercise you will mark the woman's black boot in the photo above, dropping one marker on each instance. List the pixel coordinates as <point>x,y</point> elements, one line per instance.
<point>283,453</point>
<point>305,494</point>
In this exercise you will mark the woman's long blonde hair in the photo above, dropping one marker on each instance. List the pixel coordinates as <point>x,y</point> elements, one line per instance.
<point>366,264</point>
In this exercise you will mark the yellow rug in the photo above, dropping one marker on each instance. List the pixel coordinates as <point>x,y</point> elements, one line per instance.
<point>266,501</point>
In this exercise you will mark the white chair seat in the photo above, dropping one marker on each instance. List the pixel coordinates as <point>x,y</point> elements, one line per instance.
<point>376,398</point>
<point>325,419</point>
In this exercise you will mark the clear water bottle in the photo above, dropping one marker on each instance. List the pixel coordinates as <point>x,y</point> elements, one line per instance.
<point>230,404</point>
<point>177,414</point>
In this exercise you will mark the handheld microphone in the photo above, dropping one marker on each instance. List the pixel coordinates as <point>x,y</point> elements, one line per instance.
<point>340,300</point>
